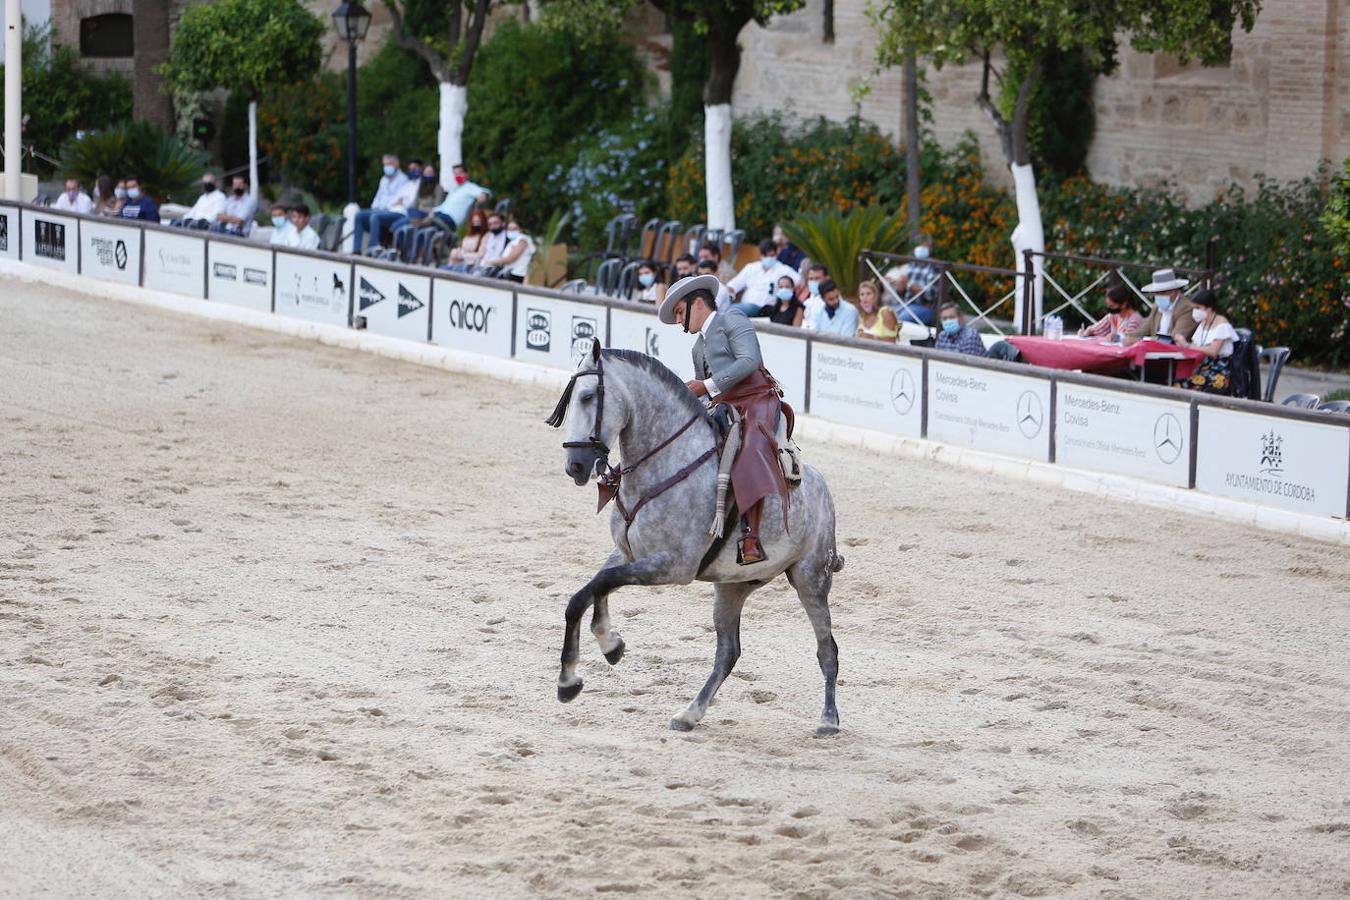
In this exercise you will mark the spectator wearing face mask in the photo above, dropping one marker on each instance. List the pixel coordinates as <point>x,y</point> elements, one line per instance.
<point>209,204</point>
<point>816,274</point>
<point>241,207</point>
<point>710,267</point>
<point>507,252</point>
<point>73,199</point>
<point>300,234</point>
<point>754,284</point>
<point>650,287</point>
<point>1214,336</point>
<point>922,282</point>
<point>381,208</point>
<point>424,195</point>
<point>835,315</point>
<point>461,200</point>
<point>955,335</point>
<point>787,310</point>
<point>1171,316</point>
<point>281,223</point>
<point>139,205</point>
<point>1122,315</point>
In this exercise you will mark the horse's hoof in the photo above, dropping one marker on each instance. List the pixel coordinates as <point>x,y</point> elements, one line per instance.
<point>613,656</point>
<point>678,724</point>
<point>827,731</point>
<point>568,692</point>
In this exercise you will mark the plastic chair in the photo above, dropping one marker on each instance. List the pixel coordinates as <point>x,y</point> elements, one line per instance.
<point>1336,406</point>
<point>647,242</point>
<point>1302,401</point>
<point>731,245</point>
<point>503,207</point>
<point>1246,366</point>
<point>575,286</point>
<point>667,245</point>
<point>400,241</point>
<point>693,237</point>
<point>627,279</point>
<point>607,277</point>
<point>1274,358</point>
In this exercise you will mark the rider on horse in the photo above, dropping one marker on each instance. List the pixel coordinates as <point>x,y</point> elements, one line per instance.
<point>729,370</point>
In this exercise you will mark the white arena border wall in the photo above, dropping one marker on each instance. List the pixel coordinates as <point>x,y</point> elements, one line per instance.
<point>1269,467</point>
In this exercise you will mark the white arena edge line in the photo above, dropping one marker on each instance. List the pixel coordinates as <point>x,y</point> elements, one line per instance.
<point>1114,487</point>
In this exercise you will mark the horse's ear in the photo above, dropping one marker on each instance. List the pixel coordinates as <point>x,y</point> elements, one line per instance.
<point>595,350</point>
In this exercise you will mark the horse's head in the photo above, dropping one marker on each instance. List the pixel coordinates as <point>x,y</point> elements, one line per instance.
<point>594,413</point>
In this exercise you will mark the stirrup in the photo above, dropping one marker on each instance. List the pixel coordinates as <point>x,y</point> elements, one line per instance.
<point>756,552</point>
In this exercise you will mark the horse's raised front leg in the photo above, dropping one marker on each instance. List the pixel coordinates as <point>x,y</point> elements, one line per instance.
<point>654,569</point>
<point>611,642</point>
<point>727,618</point>
<point>813,577</point>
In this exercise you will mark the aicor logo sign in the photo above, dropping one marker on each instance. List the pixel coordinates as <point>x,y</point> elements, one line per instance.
<point>472,316</point>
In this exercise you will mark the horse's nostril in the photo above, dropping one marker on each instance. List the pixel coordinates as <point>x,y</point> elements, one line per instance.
<point>574,469</point>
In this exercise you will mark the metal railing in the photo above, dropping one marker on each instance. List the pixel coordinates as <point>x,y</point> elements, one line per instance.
<point>948,279</point>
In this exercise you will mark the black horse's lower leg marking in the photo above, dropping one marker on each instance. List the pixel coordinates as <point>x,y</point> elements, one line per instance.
<point>727,608</point>
<point>615,574</point>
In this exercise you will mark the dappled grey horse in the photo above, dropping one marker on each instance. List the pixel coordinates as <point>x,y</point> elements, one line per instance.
<point>666,496</point>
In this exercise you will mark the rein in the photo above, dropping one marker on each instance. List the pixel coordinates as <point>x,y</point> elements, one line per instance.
<point>612,476</point>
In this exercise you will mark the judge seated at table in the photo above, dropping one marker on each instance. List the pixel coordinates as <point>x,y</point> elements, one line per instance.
<point>954,334</point>
<point>1214,336</point>
<point>1171,315</point>
<point>1122,315</point>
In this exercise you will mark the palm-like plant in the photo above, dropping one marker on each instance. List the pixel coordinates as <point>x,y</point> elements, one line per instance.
<point>838,239</point>
<point>167,167</point>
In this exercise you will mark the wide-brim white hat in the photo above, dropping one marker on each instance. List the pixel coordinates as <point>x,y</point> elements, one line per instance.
<point>683,288</point>
<point>1164,280</point>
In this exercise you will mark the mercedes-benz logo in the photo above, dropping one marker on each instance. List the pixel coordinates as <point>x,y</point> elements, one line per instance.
<point>1168,438</point>
<point>1030,414</point>
<point>903,391</point>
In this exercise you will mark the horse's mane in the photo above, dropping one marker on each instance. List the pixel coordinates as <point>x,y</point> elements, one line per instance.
<point>658,370</point>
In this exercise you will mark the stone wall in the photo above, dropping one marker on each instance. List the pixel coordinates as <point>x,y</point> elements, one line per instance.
<point>1281,105</point>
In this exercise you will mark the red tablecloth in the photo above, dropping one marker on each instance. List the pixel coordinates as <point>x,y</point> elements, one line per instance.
<point>1092,355</point>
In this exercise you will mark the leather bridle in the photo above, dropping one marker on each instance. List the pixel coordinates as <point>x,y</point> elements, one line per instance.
<point>595,441</point>
<point>612,476</point>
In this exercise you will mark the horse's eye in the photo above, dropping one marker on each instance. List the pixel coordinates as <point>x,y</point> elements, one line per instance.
<point>587,398</point>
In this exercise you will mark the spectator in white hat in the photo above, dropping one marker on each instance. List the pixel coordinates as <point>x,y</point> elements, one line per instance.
<point>1171,315</point>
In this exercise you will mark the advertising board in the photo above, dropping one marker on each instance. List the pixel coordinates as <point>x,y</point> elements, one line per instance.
<point>1123,433</point>
<point>394,304</point>
<point>867,389</point>
<point>51,240</point>
<point>111,252</point>
<point>640,330</point>
<point>556,333</point>
<point>471,317</point>
<point>175,263</point>
<point>313,287</point>
<point>989,410</point>
<point>1273,461</point>
<point>9,232</point>
<point>785,358</point>
<point>239,275</point>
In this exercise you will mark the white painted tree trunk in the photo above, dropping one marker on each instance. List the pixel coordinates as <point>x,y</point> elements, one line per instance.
<point>1028,235</point>
<point>717,166</point>
<point>253,149</point>
<point>13,101</point>
<point>450,139</point>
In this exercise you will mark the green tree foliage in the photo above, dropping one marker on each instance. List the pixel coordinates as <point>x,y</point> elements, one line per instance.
<point>61,95</point>
<point>535,92</point>
<point>243,45</point>
<point>1030,34</point>
<point>688,74</point>
<point>1336,218</point>
<point>168,168</point>
<point>302,129</point>
<point>1061,119</point>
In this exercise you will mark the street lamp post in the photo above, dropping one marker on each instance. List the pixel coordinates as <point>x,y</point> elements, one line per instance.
<point>352,21</point>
